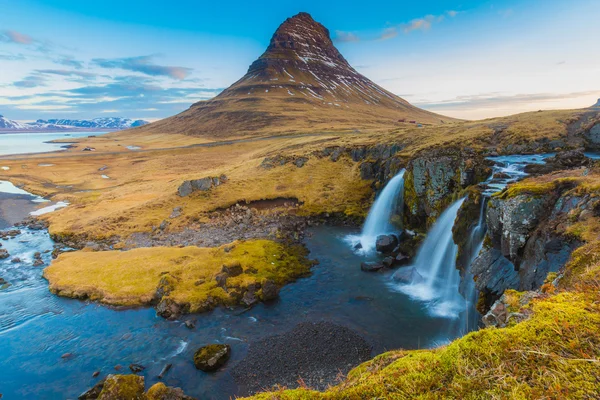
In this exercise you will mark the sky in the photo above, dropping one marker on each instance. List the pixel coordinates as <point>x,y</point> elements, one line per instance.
<point>148,60</point>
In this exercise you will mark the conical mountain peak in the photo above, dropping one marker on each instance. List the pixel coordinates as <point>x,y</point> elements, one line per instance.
<point>301,83</point>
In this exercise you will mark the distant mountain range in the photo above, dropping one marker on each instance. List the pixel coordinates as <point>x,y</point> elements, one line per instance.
<point>301,83</point>
<point>112,123</point>
<point>597,105</point>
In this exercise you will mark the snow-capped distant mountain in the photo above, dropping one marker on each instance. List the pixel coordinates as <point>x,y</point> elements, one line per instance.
<point>96,123</point>
<point>6,123</point>
<point>597,105</point>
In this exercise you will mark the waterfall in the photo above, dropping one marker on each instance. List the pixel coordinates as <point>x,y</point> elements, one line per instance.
<point>378,221</point>
<point>433,277</point>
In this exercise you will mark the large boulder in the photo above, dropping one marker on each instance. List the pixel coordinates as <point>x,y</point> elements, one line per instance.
<point>203,185</point>
<point>386,243</point>
<point>212,357</point>
<point>121,387</point>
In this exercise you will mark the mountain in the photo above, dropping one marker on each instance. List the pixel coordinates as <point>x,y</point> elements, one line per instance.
<point>96,123</point>
<point>597,105</point>
<point>7,124</point>
<point>300,83</point>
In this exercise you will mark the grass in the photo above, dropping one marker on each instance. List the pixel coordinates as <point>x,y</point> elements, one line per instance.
<point>555,354</point>
<point>141,191</point>
<point>131,278</point>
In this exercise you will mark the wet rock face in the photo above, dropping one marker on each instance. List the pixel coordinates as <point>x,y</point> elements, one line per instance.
<point>525,241</point>
<point>593,135</point>
<point>212,357</point>
<point>432,179</point>
<point>511,222</point>
<point>386,243</point>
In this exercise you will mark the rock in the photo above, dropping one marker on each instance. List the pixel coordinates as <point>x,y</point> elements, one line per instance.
<point>95,374</point>
<point>401,259</point>
<point>168,309</point>
<point>389,262</point>
<point>93,393</point>
<point>569,159</point>
<point>371,266</point>
<point>185,189</point>
<point>160,391</point>
<point>270,291</point>
<point>118,367</point>
<point>367,170</point>
<point>232,269</point>
<point>38,263</point>
<point>164,371</point>
<point>299,162</point>
<point>2,281</point>
<point>4,254</point>
<point>15,260</point>
<point>135,368</point>
<point>176,212</point>
<point>386,243</point>
<point>189,324</point>
<point>67,356</point>
<point>37,255</point>
<point>118,387</point>
<point>408,275</point>
<point>249,299</point>
<point>212,357</point>
<point>221,279</point>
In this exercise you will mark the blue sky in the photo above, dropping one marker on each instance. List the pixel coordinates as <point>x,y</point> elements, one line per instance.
<point>139,59</point>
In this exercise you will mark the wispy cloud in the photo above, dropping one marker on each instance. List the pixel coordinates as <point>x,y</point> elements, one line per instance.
<point>15,37</point>
<point>144,65</point>
<point>418,24</point>
<point>31,81</point>
<point>491,100</point>
<point>345,37</point>
<point>64,72</point>
<point>68,61</point>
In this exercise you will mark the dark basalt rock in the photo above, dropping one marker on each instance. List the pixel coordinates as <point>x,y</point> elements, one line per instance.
<point>371,266</point>
<point>135,368</point>
<point>233,269</point>
<point>270,291</point>
<point>386,243</point>
<point>212,357</point>
<point>92,393</point>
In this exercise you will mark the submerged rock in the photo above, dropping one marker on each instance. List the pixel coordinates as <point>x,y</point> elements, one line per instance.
<point>408,275</point>
<point>212,357</point>
<point>371,266</point>
<point>135,368</point>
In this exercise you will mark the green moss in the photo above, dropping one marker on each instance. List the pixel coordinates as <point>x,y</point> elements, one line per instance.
<point>554,354</point>
<point>535,187</point>
<point>125,387</point>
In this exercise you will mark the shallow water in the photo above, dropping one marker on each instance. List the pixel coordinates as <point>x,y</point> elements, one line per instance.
<point>37,328</point>
<point>33,142</point>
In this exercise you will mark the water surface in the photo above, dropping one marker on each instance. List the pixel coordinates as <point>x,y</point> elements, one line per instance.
<point>36,142</point>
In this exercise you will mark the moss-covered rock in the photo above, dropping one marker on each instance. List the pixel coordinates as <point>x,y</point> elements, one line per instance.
<point>123,387</point>
<point>160,391</point>
<point>212,357</point>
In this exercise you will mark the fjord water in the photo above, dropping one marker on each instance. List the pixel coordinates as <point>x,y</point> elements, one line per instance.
<point>37,142</point>
<point>378,220</point>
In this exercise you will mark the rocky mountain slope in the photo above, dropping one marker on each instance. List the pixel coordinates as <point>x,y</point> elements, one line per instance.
<point>6,123</point>
<point>300,83</point>
<point>597,105</point>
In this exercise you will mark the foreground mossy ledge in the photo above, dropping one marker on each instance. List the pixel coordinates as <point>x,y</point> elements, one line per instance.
<point>553,355</point>
<point>189,276</point>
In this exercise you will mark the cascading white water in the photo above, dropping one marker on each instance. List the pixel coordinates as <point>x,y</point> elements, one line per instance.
<point>435,278</point>
<point>378,221</point>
